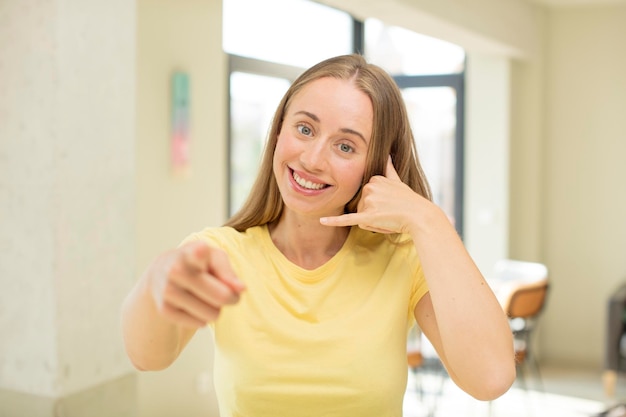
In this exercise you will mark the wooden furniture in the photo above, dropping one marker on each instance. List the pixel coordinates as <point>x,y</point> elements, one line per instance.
<point>523,308</point>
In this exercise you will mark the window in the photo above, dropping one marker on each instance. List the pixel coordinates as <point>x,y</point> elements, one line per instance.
<point>401,51</point>
<point>253,100</point>
<point>430,74</point>
<point>432,111</point>
<point>285,31</point>
<point>428,71</point>
<point>260,73</point>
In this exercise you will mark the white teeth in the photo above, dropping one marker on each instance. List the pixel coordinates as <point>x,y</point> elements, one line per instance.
<point>307,184</point>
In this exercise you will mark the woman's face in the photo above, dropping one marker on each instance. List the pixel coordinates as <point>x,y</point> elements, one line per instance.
<point>321,150</point>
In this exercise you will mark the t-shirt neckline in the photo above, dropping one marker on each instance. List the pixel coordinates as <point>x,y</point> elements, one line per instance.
<point>303,273</point>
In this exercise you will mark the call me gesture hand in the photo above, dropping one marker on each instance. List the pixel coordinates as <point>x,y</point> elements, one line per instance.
<point>193,283</point>
<point>387,205</point>
<point>452,314</point>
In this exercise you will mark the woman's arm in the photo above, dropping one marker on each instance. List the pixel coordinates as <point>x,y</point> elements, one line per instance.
<point>180,292</point>
<point>460,315</point>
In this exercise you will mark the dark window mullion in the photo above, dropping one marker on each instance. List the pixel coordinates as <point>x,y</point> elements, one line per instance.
<point>453,81</point>
<point>438,80</point>
<point>358,37</point>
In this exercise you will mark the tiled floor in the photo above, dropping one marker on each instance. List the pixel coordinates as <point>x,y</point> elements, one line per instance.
<point>580,382</point>
<point>568,392</point>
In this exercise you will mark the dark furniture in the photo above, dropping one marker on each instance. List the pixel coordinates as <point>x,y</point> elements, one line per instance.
<point>615,342</point>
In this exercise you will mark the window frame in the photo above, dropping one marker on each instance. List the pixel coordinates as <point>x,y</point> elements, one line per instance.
<point>456,81</point>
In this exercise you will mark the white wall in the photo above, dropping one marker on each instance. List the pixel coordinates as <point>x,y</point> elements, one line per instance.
<point>67,108</point>
<point>487,134</point>
<point>28,352</point>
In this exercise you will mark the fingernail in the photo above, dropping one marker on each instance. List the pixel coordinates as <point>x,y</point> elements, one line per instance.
<point>323,220</point>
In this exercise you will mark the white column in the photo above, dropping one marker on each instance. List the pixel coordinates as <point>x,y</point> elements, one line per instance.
<point>486,216</point>
<point>67,195</point>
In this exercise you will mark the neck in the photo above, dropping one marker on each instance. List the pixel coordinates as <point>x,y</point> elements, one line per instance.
<point>306,242</point>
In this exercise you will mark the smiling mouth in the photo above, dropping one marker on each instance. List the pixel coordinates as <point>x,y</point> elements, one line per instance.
<point>306,183</point>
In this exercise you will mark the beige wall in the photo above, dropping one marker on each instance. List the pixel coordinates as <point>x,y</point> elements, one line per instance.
<point>584,205</point>
<point>175,35</point>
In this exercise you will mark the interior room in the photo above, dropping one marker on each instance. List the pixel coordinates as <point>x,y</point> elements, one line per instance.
<point>89,196</point>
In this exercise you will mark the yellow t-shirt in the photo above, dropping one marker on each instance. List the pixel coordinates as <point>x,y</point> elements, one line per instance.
<point>329,342</point>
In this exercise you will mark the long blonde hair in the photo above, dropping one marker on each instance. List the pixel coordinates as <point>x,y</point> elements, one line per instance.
<point>391,135</point>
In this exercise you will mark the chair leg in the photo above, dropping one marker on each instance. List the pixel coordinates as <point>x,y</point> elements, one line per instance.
<point>521,376</point>
<point>609,380</point>
<point>418,383</point>
<point>535,367</point>
<point>431,398</point>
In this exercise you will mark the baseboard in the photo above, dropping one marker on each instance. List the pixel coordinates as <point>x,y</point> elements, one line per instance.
<point>115,398</point>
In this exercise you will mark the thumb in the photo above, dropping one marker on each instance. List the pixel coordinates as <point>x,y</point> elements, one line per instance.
<point>390,171</point>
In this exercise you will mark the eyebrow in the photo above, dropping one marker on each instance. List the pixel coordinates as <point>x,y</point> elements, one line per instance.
<point>343,129</point>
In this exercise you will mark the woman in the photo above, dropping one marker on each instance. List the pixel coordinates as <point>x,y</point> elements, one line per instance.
<point>311,287</point>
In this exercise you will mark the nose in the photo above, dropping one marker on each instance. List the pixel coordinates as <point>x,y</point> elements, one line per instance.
<point>314,156</point>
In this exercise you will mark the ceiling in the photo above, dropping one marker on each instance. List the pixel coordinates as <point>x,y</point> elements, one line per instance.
<point>575,3</point>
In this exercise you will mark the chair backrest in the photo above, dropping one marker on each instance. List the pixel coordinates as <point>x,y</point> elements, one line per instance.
<point>527,300</point>
<point>522,287</point>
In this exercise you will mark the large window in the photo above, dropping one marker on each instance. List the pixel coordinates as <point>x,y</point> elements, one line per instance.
<point>292,32</point>
<point>268,50</point>
<point>403,52</point>
<point>253,100</point>
<point>430,74</point>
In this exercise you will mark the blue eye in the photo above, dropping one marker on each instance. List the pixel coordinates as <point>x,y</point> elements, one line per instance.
<point>305,130</point>
<point>345,148</point>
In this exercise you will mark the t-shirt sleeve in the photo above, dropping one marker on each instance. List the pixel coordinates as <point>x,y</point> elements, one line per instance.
<point>194,237</point>
<point>419,286</point>
<point>211,236</point>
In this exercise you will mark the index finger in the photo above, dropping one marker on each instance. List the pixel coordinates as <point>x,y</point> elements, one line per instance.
<point>205,258</point>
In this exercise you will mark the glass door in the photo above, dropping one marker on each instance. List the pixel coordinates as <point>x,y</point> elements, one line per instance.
<point>433,114</point>
<point>253,101</point>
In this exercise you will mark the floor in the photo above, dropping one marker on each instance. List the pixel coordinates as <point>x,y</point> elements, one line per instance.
<point>567,392</point>
<point>583,383</point>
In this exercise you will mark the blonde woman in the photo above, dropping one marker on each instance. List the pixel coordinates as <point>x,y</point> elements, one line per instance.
<point>311,287</point>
